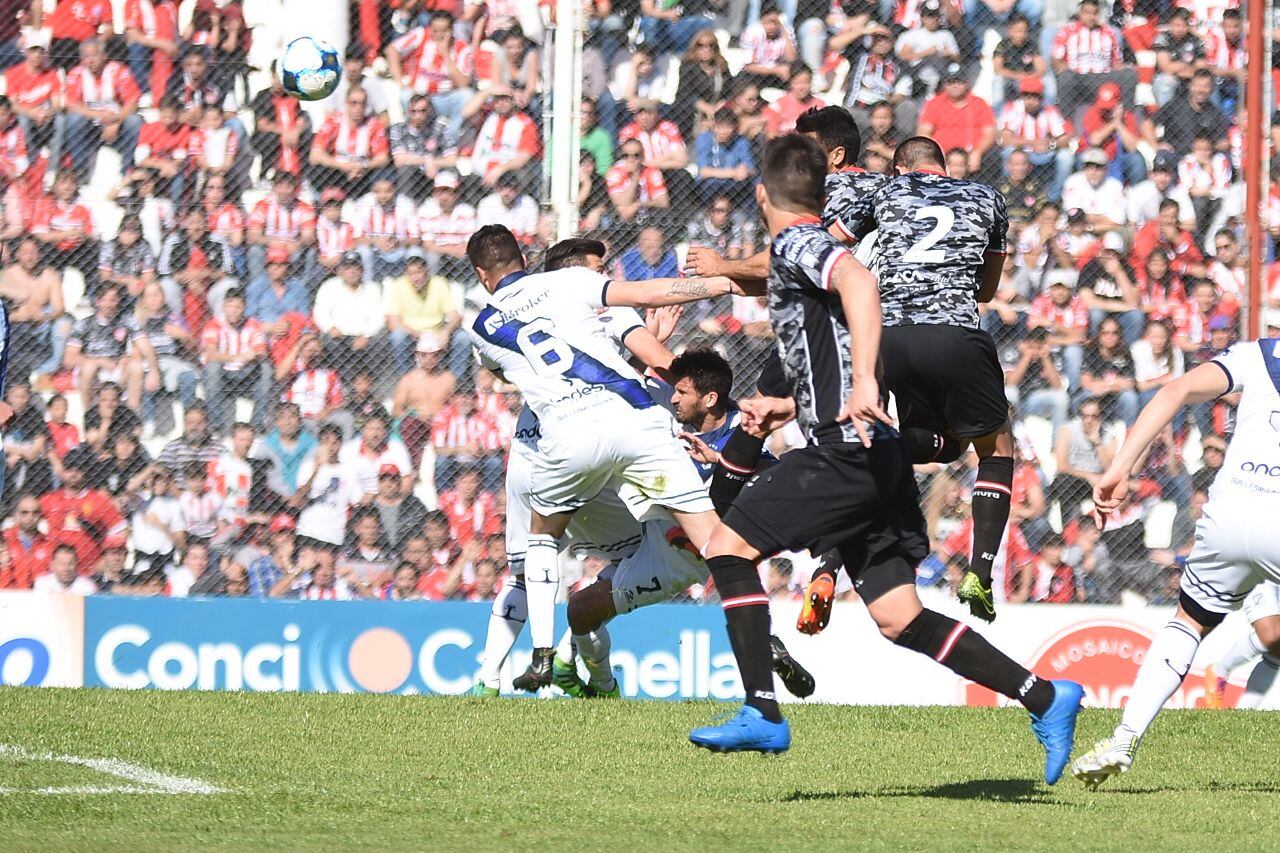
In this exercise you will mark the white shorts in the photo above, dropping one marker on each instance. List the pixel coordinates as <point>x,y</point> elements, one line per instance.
<point>1264,601</point>
<point>1236,549</point>
<point>656,571</point>
<point>635,450</point>
<point>603,528</point>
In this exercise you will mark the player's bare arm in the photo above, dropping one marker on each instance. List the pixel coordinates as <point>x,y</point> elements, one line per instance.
<point>1204,383</point>
<point>763,415</point>
<point>704,261</point>
<point>658,292</point>
<point>860,298</point>
<point>990,277</point>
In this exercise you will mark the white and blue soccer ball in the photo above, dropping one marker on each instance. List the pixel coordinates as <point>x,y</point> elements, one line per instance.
<point>310,69</point>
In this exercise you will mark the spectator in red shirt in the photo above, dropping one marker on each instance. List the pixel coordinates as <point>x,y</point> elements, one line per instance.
<point>77,515</point>
<point>1066,317</point>
<point>36,93</point>
<point>349,147</point>
<point>472,513</point>
<point>236,364</point>
<point>151,33</point>
<point>72,23</point>
<point>65,227</point>
<point>1166,235</point>
<point>28,550</point>
<point>465,438</point>
<point>782,114</point>
<point>664,147</point>
<point>957,118</point>
<point>162,147</point>
<point>1086,54</point>
<point>65,434</point>
<point>102,109</point>
<point>1052,581</point>
<point>281,219</point>
<point>635,187</point>
<point>1114,129</point>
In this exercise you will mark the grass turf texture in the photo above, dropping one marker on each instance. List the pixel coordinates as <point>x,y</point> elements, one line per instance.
<point>381,772</point>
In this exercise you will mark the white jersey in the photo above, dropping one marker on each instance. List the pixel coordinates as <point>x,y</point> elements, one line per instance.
<point>542,333</point>
<point>334,491</point>
<point>615,323</point>
<point>1251,469</point>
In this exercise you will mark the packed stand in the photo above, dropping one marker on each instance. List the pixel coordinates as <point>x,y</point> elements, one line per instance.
<point>238,363</point>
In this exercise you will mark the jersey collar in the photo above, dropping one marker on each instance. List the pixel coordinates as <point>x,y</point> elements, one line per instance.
<point>852,170</point>
<point>510,278</point>
<point>932,172</point>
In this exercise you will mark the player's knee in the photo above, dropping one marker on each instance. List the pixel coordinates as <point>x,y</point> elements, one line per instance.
<point>1268,631</point>
<point>589,607</point>
<point>724,542</point>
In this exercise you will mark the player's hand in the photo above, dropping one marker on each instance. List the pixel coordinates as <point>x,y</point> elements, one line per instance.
<point>863,407</point>
<point>661,322</point>
<point>699,450</point>
<point>704,261</point>
<point>762,415</point>
<point>1109,493</point>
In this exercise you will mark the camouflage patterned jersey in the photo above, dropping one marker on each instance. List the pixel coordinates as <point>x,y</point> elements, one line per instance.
<point>934,234</point>
<point>849,194</point>
<point>812,336</point>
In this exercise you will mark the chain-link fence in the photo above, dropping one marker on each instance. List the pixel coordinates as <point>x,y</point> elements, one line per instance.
<point>232,316</point>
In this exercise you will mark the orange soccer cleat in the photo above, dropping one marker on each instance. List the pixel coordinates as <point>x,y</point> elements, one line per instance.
<point>816,612</point>
<point>1215,688</point>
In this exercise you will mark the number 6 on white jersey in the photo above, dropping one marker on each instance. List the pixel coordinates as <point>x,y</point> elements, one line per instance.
<point>549,356</point>
<point>923,252</point>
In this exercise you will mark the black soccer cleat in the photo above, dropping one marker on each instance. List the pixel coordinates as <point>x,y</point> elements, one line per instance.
<point>539,673</point>
<point>798,680</point>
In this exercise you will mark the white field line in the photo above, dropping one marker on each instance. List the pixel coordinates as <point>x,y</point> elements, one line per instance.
<point>147,781</point>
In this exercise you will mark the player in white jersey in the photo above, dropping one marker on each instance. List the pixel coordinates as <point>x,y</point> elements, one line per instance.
<point>1237,545</point>
<point>1263,638</point>
<point>599,424</point>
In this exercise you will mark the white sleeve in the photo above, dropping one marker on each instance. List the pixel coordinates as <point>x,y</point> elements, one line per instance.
<point>1237,362</point>
<point>584,284</point>
<point>623,320</point>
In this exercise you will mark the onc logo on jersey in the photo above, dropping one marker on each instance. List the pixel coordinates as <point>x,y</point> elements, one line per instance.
<point>1260,468</point>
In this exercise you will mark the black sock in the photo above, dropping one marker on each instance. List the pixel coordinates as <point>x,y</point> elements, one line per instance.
<point>746,614</point>
<point>927,446</point>
<point>992,494</point>
<point>966,653</point>
<point>739,459</point>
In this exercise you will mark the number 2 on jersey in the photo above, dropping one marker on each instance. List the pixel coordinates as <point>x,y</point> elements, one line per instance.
<point>549,356</point>
<point>923,251</point>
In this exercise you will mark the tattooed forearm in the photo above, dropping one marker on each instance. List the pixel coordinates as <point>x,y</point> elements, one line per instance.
<point>689,287</point>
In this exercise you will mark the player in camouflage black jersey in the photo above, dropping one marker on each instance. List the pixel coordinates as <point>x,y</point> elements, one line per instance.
<point>940,247</point>
<point>851,487</point>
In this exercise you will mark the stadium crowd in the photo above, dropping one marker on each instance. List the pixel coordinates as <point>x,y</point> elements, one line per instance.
<point>248,334</point>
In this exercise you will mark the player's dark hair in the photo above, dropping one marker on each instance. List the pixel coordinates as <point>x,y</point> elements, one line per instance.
<point>66,549</point>
<point>1231,13</point>
<point>572,253</point>
<point>233,293</point>
<point>795,168</point>
<point>916,152</point>
<point>799,67</point>
<point>707,370</point>
<point>1170,204</point>
<point>724,115</point>
<point>330,429</point>
<point>1017,18</point>
<point>833,127</point>
<point>494,247</point>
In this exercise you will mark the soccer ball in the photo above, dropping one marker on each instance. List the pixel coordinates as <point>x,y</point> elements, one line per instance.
<point>309,68</point>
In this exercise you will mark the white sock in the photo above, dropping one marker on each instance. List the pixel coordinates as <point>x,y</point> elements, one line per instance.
<point>1260,681</point>
<point>594,649</point>
<point>542,582</point>
<point>1241,652</point>
<point>506,620</point>
<point>564,649</point>
<point>1166,664</point>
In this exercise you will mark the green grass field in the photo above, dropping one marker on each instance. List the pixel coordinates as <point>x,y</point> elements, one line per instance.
<point>371,772</point>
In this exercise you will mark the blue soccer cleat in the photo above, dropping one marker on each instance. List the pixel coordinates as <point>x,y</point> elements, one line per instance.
<point>746,731</point>
<point>1056,728</point>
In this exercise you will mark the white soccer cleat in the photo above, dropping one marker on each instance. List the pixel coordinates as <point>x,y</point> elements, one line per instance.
<point>1108,757</point>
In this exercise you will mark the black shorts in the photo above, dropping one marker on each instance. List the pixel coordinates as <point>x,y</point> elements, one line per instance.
<point>945,379</point>
<point>860,500</point>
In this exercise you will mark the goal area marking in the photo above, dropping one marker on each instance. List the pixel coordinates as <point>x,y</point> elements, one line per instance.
<point>142,780</point>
